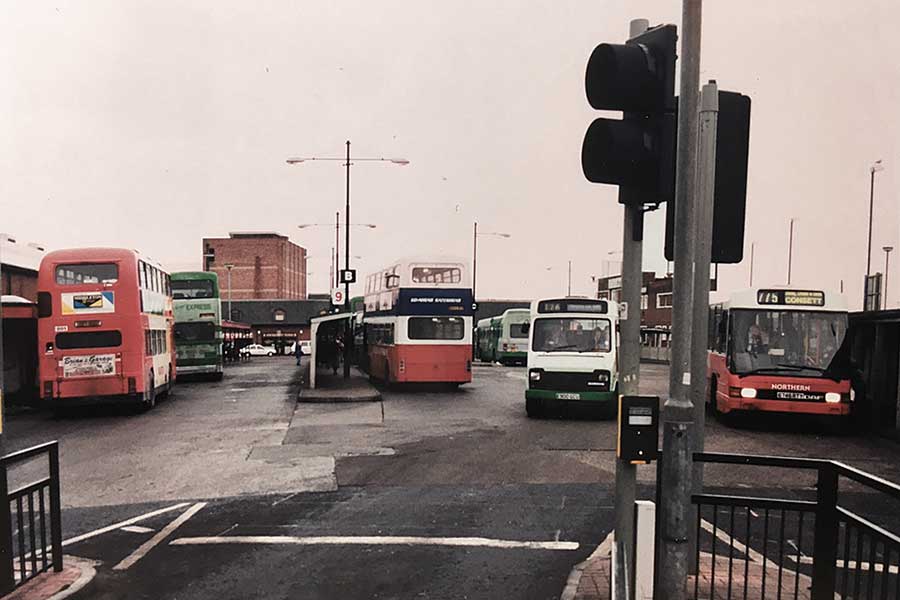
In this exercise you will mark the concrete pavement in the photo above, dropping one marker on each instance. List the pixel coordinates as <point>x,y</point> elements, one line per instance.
<point>233,489</point>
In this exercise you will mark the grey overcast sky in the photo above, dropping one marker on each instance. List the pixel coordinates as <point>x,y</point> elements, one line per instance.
<point>151,124</point>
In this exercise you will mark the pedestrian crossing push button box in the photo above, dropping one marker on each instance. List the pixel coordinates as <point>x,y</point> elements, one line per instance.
<point>638,428</point>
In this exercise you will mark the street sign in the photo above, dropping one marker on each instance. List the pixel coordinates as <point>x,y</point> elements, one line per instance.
<point>348,275</point>
<point>337,297</point>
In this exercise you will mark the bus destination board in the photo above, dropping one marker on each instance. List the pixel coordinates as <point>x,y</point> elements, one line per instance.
<point>573,306</point>
<point>791,297</point>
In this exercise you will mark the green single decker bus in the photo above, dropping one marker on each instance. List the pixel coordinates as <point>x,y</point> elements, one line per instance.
<point>198,324</point>
<point>504,339</point>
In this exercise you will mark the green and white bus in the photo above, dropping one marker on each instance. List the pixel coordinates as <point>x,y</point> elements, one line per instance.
<point>504,338</point>
<point>572,354</point>
<point>198,324</point>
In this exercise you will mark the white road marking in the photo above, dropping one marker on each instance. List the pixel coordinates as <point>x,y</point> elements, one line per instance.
<point>122,524</point>
<point>137,529</point>
<point>156,539</point>
<point>288,497</point>
<point>377,540</point>
<point>851,564</point>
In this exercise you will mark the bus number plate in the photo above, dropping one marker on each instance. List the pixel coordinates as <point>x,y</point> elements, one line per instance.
<point>568,396</point>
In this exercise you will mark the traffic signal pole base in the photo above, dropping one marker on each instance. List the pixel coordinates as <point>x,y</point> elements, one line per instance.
<point>675,498</point>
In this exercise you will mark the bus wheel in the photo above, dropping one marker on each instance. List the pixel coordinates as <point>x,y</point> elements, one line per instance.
<point>150,398</point>
<point>534,408</point>
<point>712,406</point>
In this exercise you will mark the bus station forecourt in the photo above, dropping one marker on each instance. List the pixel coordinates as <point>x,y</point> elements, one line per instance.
<point>772,350</point>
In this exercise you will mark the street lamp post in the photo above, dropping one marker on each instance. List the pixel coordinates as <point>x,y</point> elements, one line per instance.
<point>887,254</point>
<point>876,166</point>
<point>347,164</point>
<point>475,234</point>
<point>229,267</point>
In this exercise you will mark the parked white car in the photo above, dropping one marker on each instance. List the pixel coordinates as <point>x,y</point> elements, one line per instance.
<point>305,347</point>
<point>258,350</point>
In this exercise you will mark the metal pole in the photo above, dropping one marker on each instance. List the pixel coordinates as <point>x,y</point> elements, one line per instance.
<point>229,291</point>
<point>703,217</point>
<point>337,248</point>
<point>629,366</point>
<point>790,250</point>
<point>474,264</point>
<point>347,340</point>
<point>677,410</point>
<point>869,246</point>
<point>569,292</point>
<point>887,254</point>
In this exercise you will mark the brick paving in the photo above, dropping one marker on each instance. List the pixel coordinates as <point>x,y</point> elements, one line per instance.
<point>48,584</point>
<point>595,581</point>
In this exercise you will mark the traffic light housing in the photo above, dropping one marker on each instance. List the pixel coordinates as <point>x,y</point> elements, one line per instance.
<point>636,152</point>
<point>730,195</point>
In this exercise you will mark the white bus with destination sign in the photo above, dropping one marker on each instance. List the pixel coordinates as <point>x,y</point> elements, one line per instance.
<point>572,354</point>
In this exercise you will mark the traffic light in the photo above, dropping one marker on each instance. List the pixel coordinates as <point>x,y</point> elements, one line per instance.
<point>636,152</point>
<point>730,196</point>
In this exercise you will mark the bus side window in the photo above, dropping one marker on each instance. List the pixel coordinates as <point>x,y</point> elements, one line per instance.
<point>722,336</point>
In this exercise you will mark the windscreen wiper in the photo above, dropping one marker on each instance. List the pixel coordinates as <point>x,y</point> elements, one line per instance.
<point>826,372</point>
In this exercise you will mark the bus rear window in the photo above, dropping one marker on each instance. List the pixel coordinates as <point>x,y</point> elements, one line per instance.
<point>436,275</point>
<point>88,339</point>
<point>436,328</point>
<point>518,330</point>
<point>86,274</point>
<point>183,289</point>
<point>201,331</point>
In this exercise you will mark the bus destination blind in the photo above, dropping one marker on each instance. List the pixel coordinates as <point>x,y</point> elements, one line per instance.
<point>791,297</point>
<point>569,306</point>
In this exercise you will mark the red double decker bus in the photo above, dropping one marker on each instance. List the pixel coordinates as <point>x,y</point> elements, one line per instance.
<point>104,328</point>
<point>418,322</point>
<point>777,350</point>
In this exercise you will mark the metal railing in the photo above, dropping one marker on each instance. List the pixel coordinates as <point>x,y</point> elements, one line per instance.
<point>33,518</point>
<point>817,548</point>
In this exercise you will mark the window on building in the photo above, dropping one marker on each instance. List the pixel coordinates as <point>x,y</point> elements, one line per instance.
<point>644,301</point>
<point>664,300</point>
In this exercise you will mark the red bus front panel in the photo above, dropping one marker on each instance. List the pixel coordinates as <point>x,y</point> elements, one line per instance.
<point>777,393</point>
<point>408,363</point>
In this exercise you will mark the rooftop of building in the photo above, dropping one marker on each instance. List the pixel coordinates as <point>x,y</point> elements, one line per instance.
<point>23,255</point>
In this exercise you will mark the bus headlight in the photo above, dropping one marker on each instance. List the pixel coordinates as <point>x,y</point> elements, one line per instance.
<point>534,375</point>
<point>832,397</point>
<point>852,395</point>
<point>603,377</point>
<point>748,392</point>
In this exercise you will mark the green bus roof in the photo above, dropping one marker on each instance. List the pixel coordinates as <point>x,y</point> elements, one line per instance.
<point>195,275</point>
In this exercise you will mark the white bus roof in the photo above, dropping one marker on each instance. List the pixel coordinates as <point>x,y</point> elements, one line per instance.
<point>509,312</point>
<point>786,298</point>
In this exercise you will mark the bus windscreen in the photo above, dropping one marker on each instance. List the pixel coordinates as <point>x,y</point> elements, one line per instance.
<point>804,342</point>
<point>571,334</point>
<point>186,289</point>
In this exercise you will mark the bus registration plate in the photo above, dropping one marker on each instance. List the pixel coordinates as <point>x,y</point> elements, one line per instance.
<point>562,396</point>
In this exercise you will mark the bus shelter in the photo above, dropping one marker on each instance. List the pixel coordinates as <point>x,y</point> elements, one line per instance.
<point>19,350</point>
<point>324,331</point>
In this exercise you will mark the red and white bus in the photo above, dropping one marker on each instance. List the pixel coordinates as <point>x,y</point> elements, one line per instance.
<point>104,328</point>
<point>418,322</point>
<point>774,349</point>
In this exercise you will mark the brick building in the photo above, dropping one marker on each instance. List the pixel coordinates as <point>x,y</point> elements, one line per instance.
<point>279,322</point>
<point>656,297</point>
<point>264,266</point>
<point>19,268</point>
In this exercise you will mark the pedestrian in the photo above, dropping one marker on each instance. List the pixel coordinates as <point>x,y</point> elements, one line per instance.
<point>297,351</point>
